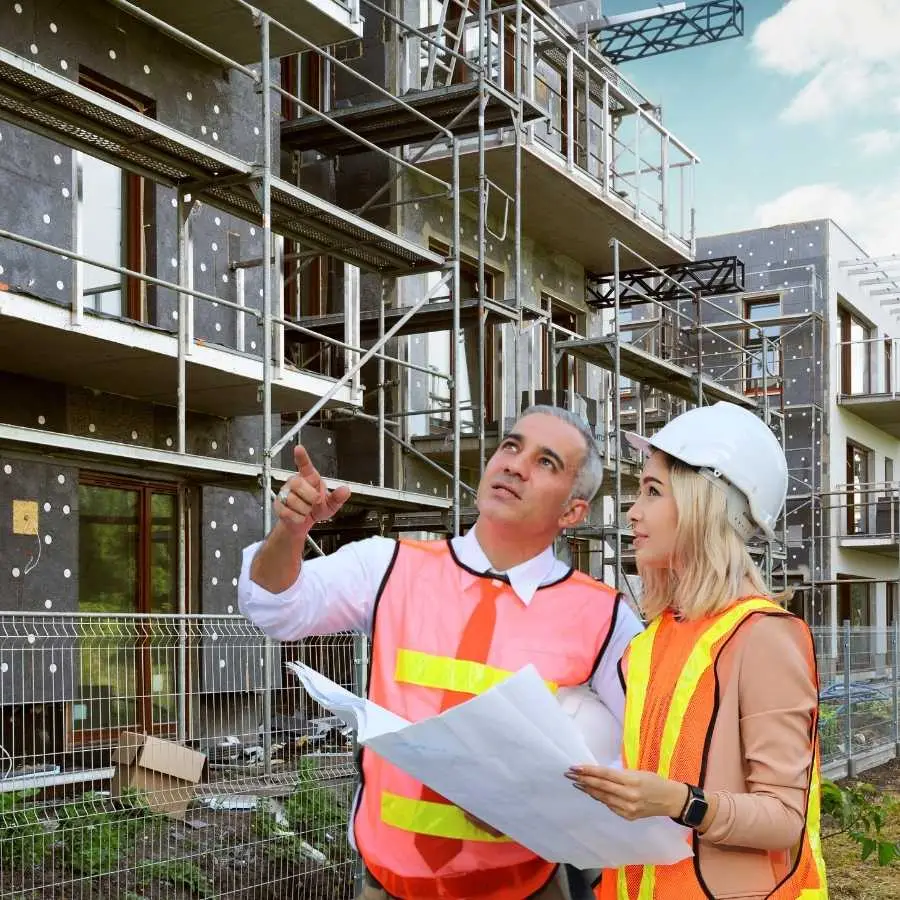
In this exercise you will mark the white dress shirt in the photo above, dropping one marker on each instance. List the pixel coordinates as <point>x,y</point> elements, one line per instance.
<point>338,592</point>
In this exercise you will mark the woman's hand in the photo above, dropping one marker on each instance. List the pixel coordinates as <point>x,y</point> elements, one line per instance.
<point>631,793</point>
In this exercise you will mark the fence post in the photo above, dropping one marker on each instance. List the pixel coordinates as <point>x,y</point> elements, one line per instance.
<point>895,683</point>
<point>848,725</point>
<point>360,675</point>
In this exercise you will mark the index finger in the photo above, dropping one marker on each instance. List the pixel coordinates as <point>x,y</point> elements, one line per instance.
<point>305,467</point>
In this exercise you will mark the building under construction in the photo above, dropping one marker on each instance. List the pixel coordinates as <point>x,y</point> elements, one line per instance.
<point>380,228</point>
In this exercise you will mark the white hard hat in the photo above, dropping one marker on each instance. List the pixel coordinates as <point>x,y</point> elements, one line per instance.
<point>601,729</point>
<point>735,449</point>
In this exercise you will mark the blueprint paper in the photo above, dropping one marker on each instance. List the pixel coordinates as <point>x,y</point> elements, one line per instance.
<point>502,757</point>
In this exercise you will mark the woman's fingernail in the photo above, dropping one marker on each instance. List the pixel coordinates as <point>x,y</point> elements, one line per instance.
<point>571,774</point>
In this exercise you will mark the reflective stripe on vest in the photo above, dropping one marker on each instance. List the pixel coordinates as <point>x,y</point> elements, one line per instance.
<point>699,661</point>
<point>448,674</point>
<point>437,819</point>
<point>814,833</point>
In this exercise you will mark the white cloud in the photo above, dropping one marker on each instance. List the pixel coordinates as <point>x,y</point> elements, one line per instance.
<point>878,142</point>
<point>869,217</point>
<point>846,51</point>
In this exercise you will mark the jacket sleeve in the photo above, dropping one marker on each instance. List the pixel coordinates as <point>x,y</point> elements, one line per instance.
<point>778,696</point>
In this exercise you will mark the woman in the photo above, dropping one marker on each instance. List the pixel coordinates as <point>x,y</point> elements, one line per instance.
<point>721,690</point>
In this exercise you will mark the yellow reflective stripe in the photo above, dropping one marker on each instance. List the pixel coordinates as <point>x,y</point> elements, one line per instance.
<point>648,884</point>
<point>437,819</point>
<point>638,677</point>
<point>622,885</point>
<point>447,674</point>
<point>813,830</point>
<point>698,663</point>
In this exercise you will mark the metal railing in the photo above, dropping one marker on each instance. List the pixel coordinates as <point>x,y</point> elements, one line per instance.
<point>868,366</point>
<point>866,511</point>
<point>79,818</point>
<point>596,124</point>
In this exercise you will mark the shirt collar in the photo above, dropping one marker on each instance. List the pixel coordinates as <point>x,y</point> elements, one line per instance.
<point>525,578</point>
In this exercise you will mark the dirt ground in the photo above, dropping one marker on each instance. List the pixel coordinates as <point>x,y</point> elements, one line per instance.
<point>848,877</point>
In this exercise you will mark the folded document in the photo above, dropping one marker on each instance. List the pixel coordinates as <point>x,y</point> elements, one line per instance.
<point>502,757</point>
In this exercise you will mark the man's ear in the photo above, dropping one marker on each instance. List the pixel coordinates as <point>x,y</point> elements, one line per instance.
<point>575,512</point>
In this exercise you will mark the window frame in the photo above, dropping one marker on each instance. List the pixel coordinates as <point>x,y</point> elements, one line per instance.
<point>753,348</point>
<point>142,604</point>
<point>138,238</point>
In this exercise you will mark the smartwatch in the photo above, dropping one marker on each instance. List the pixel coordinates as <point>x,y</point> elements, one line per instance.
<point>695,808</point>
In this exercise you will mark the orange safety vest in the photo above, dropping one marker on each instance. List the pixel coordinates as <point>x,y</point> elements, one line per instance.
<point>419,618</point>
<point>670,705</point>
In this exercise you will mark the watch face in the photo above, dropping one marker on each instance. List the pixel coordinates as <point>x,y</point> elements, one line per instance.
<point>696,810</point>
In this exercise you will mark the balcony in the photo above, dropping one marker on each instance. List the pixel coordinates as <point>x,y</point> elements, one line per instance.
<point>227,26</point>
<point>40,339</point>
<point>868,517</point>
<point>869,372</point>
<point>600,151</point>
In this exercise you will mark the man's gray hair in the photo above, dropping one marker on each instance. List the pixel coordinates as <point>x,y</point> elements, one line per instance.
<point>589,476</point>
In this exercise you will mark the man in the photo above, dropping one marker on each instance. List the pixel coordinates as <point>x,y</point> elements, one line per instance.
<point>448,619</point>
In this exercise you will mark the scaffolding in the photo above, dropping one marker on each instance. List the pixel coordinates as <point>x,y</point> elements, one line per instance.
<point>501,114</point>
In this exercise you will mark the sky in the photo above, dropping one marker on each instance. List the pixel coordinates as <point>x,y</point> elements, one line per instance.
<point>797,119</point>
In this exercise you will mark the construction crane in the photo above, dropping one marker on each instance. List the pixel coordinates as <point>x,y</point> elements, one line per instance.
<point>663,28</point>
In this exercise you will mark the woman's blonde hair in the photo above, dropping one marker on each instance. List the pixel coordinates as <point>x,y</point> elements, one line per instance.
<point>709,559</point>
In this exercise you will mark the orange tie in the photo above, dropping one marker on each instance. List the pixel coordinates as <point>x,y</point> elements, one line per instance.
<point>474,646</point>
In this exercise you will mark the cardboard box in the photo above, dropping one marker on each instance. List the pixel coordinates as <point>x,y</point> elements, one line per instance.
<point>165,772</point>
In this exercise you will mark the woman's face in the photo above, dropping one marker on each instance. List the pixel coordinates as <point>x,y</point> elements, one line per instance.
<point>653,516</point>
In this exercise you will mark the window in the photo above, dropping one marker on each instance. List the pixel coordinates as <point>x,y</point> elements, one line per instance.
<point>128,563</point>
<point>856,604</point>
<point>855,352</point>
<point>763,366</point>
<point>858,480</point>
<point>855,597</point>
<point>893,603</point>
<point>569,374</point>
<point>440,356</point>
<point>888,469</point>
<point>116,220</point>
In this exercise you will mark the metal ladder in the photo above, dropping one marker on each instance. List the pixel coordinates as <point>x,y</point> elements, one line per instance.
<point>450,32</point>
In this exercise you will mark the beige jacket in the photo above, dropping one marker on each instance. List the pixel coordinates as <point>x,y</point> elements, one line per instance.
<point>759,757</point>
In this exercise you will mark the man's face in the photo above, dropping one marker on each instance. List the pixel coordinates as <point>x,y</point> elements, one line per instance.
<point>528,481</point>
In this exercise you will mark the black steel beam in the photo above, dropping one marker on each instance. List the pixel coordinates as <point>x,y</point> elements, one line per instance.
<point>704,23</point>
<point>707,277</point>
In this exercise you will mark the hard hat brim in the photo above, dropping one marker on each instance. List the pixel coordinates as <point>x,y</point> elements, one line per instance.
<point>639,443</point>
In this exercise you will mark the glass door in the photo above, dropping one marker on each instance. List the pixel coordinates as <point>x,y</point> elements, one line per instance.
<point>128,564</point>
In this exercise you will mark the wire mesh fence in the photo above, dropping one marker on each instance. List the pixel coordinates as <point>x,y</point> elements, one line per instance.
<point>173,756</point>
<point>166,756</point>
<point>859,712</point>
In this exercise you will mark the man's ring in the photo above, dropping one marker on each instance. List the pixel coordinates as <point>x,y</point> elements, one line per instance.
<point>283,494</point>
